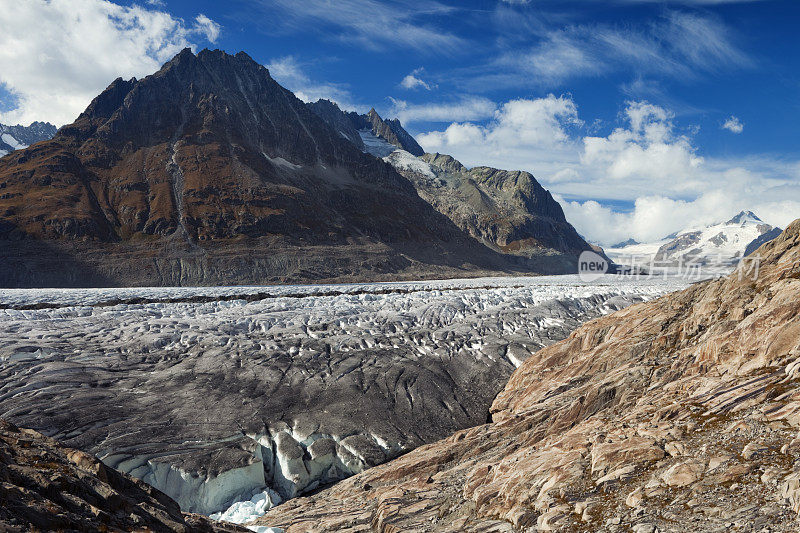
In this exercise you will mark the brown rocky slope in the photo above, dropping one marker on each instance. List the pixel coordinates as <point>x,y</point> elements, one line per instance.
<point>47,487</point>
<point>680,414</point>
<point>209,172</point>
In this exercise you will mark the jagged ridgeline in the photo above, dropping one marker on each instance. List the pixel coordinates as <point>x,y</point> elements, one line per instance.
<point>209,172</point>
<point>17,137</point>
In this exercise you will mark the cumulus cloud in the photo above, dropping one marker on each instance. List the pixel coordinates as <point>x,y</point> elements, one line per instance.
<point>291,74</point>
<point>466,108</point>
<point>56,55</point>
<point>413,81</point>
<point>733,125</point>
<point>646,162</point>
<point>654,217</point>
<point>522,134</point>
<point>646,147</point>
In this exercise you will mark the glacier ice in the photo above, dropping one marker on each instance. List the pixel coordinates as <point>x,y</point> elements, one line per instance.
<point>214,394</point>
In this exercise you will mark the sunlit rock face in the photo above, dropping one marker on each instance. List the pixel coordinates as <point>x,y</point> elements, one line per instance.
<point>680,414</point>
<point>211,395</point>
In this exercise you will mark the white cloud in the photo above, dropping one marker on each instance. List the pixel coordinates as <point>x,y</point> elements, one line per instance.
<point>291,74</point>
<point>733,125</point>
<point>413,81</point>
<point>647,161</point>
<point>208,27</point>
<point>647,147</point>
<point>56,55</point>
<point>521,132</point>
<point>655,217</point>
<point>467,108</point>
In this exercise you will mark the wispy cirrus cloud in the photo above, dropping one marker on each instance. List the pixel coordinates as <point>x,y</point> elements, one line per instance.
<point>681,45</point>
<point>367,23</point>
<point>290,73</point>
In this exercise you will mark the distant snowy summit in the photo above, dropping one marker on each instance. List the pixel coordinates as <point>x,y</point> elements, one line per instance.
<point>718,245</point>
<point>18,137</point>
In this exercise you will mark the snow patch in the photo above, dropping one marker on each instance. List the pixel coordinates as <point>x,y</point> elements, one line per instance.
<point>402,160</point>
<point>281,162</point>
<point>12,142</point>
<point>375,145</point>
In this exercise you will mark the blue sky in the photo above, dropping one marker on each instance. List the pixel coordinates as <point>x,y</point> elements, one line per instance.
<point>641,116</point>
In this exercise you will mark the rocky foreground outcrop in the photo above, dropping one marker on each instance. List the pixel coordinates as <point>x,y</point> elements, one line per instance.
<point>47,487</point>
<point>680,414</point>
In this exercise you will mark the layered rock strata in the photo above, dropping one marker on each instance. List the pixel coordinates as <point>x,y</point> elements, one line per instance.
<point>679,414</point>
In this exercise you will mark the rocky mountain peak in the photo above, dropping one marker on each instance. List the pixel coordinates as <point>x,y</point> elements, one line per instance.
<point>507,210</point>
<point>371,123</point>
<point>444,162</point>
<point>745,217</point>
<point>206,153</point>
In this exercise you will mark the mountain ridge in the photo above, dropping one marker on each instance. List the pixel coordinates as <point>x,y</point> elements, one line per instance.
<point>209,172</point>
<point>18,137</point>
<point>719,245</point>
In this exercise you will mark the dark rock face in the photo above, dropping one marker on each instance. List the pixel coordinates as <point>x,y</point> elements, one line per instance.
<point>47,487</point>
<point>15,137</point>
<point>208,172</point>
<point>348,123</point>
<point>762,239</point>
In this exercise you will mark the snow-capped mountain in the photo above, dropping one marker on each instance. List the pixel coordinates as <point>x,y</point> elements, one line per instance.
<point>18,137</point>
<point>720,245</point>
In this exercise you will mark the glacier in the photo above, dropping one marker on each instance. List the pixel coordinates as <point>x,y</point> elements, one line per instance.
<point>246,396</point>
